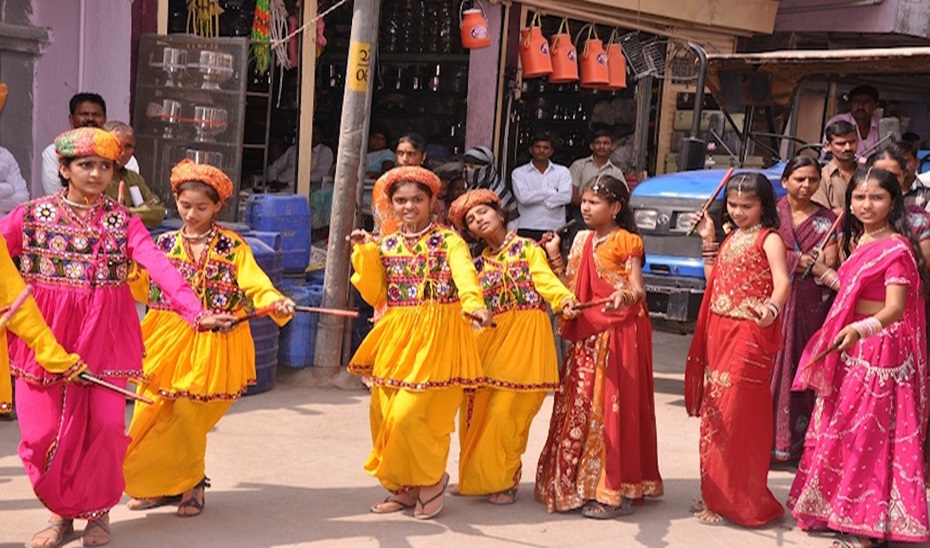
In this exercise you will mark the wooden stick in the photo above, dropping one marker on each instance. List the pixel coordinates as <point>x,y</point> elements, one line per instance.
<point>85,376</point>
<point>592,304</point>
<point>546,237</point>
<point>121,195</point>
<point>823,245</point>
<point>474,318</point>
<point>331,311</point>
<point>823,354</point>
<point>710,201</point>
<point>257,313</point>
<point>4,309</point>
<point>20,299</point>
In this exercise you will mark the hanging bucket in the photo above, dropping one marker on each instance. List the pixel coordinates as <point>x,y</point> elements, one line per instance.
<point>616,63</point>
<point>473,25</point>
<point>564,56</point>
<point>594,71</point>
<point>534,50</point>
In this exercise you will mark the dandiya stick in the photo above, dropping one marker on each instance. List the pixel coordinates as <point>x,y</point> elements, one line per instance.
<point>474,318</point>
<point>710,201</point>
<point>592,304</point>
<point>822,354</point>
<point>823,244</point>
<point>17,303</point>
<point>546,237</point>
<point>257,313</point>
<point>85,376</point>
<point>331,311</point>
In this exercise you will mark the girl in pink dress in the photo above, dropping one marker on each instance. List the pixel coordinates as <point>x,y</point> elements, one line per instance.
<point>75,249</point>
<point>862,469</point>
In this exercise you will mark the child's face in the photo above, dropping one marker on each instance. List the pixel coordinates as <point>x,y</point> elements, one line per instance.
<point>412,205</point>
<point>597,211</point>
<point>745,209</point>
<point>197,210</point>
<point>483,221</point>
<point>802,183</point>
<point>871,204</point>
<point>456,188</point>
<point>89,176</point>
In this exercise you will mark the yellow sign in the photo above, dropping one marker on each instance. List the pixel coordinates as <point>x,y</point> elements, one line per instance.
<point>359,66</point>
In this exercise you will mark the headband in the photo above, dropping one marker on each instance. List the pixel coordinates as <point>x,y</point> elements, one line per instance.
<point>463,204</point>
<point>88,141</point>
<point>187,171</point>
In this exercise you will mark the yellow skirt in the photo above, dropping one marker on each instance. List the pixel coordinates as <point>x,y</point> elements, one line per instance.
<point>420,347</point>
<point>496,429</point>
<point>200,365</point>
<point>169,443</point>
<point>411,432</point>
<point>519,354</point>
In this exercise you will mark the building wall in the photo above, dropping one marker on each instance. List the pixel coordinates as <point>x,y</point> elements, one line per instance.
<point>88,50</point>
<point>910,17</point>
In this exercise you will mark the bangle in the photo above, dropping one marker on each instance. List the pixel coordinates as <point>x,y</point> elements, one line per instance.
<point>773,306</point>
<point>830,279</point>
<point>867,327</point>
<point>709,246</point>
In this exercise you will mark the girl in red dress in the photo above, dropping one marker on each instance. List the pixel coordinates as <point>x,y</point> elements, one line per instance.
<point>734,348</point>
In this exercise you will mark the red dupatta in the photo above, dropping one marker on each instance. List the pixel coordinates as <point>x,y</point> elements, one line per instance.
<point>588,287</point>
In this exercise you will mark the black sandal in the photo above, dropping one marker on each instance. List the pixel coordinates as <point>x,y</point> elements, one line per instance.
<point>193,502</point>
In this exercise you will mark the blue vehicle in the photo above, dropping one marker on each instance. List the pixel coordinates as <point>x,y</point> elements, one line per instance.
<point>662,208</point>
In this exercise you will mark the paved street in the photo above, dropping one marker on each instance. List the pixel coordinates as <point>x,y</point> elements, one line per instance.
<point>286,468</point>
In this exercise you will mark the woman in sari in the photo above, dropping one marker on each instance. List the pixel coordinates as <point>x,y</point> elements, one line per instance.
<point>862,469</point>
<point>803,225</point>
<point>601,454</point>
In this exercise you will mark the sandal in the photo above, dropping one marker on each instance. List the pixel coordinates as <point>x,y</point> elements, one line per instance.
<point>597,510</point>
<point>194,505</point>
<point>846,540</point>
<point>56,532</point>
<point>97,532</point>
<point>394,503</point>
<point>421,512</point>
<point>148,504</point>
<point>504,498</point>
<point>708,517</point>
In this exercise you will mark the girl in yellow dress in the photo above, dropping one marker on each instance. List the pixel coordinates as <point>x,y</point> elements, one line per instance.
<point>421,354</point>
<point>518,356</point>
<point>193,376</point>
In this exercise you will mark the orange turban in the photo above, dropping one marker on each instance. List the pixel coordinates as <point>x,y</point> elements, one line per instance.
<point>460,207</point>
<point>186,171</point>
<point>88,141</point>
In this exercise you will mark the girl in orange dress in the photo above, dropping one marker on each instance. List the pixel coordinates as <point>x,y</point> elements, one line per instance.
<point>734,348</point>
<point>602,437</point>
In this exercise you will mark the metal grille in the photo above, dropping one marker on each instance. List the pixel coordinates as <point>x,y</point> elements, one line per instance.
<point>660,58</point>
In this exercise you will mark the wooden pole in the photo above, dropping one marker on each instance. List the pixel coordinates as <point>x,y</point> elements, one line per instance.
<point>356,109</point>
<point>307,87</point>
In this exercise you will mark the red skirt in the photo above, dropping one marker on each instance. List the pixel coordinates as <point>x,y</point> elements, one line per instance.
<point>736,421</point>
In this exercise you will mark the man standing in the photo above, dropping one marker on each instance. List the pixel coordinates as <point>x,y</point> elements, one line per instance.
<point>87,110</point>
<point>542,190</point>
<point>602,146</point>
<point>141,201</point>
<point>842,141</point>
<point>862,103</point>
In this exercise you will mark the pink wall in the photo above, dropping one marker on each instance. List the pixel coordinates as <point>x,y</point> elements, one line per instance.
<point>836,16</point>
<point>482,85</point>
<point>89,50</point>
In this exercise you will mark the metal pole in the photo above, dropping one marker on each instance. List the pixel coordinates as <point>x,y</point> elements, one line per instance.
<point>694,148</point>
<point>356,109</point>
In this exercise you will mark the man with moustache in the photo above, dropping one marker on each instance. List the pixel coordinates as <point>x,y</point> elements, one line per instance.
<point>87,110</point>
<point>843,142</point>
<point>862,103</point>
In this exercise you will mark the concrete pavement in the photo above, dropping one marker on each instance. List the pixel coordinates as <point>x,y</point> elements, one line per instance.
<point>286,468</point>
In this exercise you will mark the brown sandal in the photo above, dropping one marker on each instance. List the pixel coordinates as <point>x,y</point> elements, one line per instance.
<point>97,532</point>
<point>55,533</point>
<point>197,501</point>
<point>148,504</point>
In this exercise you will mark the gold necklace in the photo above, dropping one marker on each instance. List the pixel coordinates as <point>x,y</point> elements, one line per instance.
<point>871,236</point>
<point>598,240</point>
<point>196,237</point>
<point>78,205</point>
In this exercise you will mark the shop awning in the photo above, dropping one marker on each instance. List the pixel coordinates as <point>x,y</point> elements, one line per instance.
<point>773,77</point>
<point>672,19</point>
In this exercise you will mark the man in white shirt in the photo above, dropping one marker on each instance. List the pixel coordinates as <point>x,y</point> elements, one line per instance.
<point>542,190</point>
<point>284,169</point>
<point>87,110</point>
<point>13,190</point>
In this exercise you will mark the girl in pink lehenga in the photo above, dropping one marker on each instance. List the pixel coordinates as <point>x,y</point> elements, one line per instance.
<point>862,469</point>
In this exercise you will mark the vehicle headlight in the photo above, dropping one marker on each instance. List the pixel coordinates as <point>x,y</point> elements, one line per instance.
<point>646,219</point>
<point>682,221</point>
